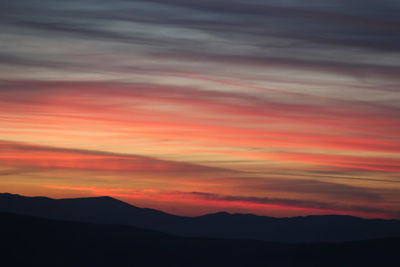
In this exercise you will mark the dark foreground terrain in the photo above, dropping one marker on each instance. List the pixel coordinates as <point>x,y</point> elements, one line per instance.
<point>33,241</point>
<point>107,210</point>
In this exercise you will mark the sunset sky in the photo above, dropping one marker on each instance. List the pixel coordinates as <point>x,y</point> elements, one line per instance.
<point>271,107</point>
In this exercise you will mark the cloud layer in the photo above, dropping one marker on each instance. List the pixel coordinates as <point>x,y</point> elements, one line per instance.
<point>286,103</point>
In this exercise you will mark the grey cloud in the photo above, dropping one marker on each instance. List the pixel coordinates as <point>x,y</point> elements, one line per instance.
<point>94,32</point>
<point>28,61</point>
<point>349,68</point>
<point>328,37</point>
<point>311,23</point>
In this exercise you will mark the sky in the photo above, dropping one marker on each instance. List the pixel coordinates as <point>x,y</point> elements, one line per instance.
<point>271,107</point>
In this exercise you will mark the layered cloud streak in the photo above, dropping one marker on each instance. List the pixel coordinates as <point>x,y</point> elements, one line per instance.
<point>226,101</point>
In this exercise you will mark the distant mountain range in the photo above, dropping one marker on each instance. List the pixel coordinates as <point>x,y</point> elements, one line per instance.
<point>34,241</point>
<point>107,210</point>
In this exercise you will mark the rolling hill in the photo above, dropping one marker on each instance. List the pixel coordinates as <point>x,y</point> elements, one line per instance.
<point>34,241</point>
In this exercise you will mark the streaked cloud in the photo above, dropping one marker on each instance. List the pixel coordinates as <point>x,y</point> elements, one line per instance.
<point>291,103</point>
<point>25,155</point>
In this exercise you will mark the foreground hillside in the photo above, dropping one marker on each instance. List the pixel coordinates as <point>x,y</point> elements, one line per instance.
<point>32,241</point>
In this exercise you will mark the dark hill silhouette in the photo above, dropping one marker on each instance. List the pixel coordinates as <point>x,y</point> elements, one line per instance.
<point>107,210</point>
<point>33,241</point>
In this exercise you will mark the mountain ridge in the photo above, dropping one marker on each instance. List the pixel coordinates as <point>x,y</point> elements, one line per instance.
<point>218,213</point>
<point>108,210</point>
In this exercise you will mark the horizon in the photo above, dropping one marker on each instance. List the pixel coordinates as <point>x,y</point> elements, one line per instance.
<point>192,216</point>
<point>274,108</point>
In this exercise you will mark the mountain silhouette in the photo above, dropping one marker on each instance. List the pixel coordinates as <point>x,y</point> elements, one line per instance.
<point>107,210</point>
<point>34,241</point>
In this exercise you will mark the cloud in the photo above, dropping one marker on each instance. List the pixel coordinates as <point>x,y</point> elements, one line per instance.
<point>311,187</point>
<point>227,123</point>
<point>296,87</point>
<point>45,157</point>
<point>289,203</point>
<point>294,10</point>
<point>266,205</point>
<point>354,69</point>
<point>275,33</point>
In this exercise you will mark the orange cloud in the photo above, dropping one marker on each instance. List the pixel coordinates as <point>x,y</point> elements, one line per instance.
<point>25,155</point>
